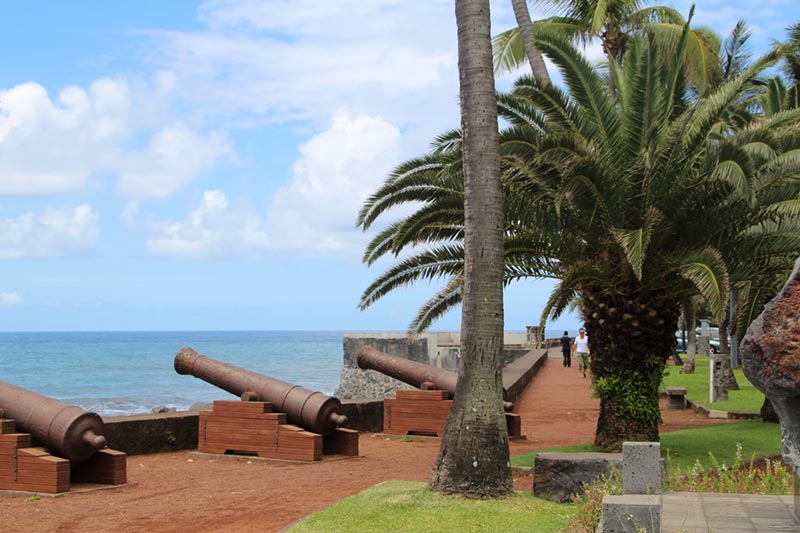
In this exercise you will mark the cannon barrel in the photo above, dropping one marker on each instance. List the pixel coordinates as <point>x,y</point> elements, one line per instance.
<point>74,433</point>
<point>309,409</point>
<point>410,372</point>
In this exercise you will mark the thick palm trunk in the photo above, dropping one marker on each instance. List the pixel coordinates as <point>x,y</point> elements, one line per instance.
<point>474,457</point>
<point>535,58</point>
<point>630,339</point>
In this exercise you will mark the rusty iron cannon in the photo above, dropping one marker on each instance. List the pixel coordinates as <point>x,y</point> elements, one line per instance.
<point>309,409</point>
<point>416,374</point>
<point>74,433</point>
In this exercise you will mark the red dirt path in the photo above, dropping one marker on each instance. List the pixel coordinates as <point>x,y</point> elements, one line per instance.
<point>174,494</point>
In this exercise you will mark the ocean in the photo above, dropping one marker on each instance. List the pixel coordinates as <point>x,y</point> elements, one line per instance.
<point>121,373</point>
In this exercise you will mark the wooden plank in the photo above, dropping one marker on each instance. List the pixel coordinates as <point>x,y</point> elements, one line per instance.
<point>424,395</point>
<point>15,440</point>
<point>238,413</point>
<point>50,488</point>
<point>39,477</point>
<point>242,423</point>
<point>33,452</point>
<point>7,426</point>
<point>250,407</point>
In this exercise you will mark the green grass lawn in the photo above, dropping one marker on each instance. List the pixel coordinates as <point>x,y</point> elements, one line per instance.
<point>410,506</point>
<point>686,446</point>
<point>747,399</point>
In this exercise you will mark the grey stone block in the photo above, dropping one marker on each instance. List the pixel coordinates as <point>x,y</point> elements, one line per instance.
<point>558,476</point>
<point>631,513</point>
<point>676,397</point>
<point>641,467</point>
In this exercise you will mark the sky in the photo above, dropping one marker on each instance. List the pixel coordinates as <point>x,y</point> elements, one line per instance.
<point>191,165</point>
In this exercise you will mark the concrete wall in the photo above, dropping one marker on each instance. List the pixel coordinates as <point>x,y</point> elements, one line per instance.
<point>437,349</point>
<point>152,433</point>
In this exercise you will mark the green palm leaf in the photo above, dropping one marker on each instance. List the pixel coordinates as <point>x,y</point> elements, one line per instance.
<point>707,271</point>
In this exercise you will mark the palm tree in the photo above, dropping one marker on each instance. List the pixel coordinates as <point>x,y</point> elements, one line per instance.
<point>527,35</point>
<point>627,201</point>
<point>613,22</point>
<point>473,458</point>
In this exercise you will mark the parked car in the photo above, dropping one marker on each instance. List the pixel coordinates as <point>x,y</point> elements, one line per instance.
<point>681,345</point>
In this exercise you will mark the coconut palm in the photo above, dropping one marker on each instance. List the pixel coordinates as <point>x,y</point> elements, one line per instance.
<point>527,36</point>
<point>627,201</point>
<point>473,457</point>
<point>612,23</point>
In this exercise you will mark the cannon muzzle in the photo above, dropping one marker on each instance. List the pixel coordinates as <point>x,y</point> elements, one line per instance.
<point>411,372</point>
<point>309,409</point>
<point>72,432</point>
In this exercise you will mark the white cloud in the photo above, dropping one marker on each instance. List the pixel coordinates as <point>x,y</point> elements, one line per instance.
<point>65,231</point>
<point>55,145</point>
<point>284,60</point>
<point>338,169</point>
<point>10,298</point>
<point>214,229</point>
<point>174,157</point>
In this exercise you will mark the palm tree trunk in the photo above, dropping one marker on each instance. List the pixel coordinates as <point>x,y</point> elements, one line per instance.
<point>727,379</point>
<point>630,339</point>
<point>474,456</point>
<point>691,342</point>
<point>535,58</point>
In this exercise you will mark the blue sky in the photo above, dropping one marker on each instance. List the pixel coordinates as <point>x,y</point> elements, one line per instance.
<point>199,165</point>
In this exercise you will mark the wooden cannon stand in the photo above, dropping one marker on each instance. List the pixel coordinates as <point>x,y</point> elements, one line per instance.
<point>250,427</point>
<point>424,412</point>
<point>35,469</point>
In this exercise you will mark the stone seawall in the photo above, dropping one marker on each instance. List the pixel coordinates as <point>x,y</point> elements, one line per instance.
<point>437,349</point>
<point>169,432</point>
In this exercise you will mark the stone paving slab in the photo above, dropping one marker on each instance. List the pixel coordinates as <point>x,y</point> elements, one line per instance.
<point>691,512</point>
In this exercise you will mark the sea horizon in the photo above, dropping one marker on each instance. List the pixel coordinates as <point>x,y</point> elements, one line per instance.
<point>126,372</point>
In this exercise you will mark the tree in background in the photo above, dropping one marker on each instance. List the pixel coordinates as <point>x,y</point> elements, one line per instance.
<point>527,36</point>
<point>633,203</point>
<point>613,22</point>
<point>473,458</point>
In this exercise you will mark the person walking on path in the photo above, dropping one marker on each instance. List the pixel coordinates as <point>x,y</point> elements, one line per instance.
<point>581,348</point>
<point>566,349</point>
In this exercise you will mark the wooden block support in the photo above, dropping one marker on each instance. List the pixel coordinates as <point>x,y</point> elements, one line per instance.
<point>34,469</point>
<point>341,442</point>
<point>514,425</point>
<point>7,426</point>
<point>106,467</point>
<point>416,411</point>
<point>424,412</point>
<point>251,427</point>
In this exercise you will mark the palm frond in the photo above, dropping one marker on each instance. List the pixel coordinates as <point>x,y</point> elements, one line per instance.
<point>443,301</point>
<point>442,261</point>
<point>707,271</point>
